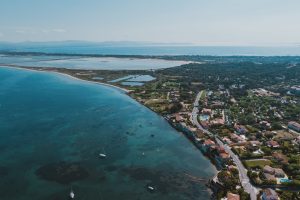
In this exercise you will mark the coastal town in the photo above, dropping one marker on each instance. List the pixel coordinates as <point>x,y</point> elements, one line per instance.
<point>250,132</point>
<point>149,100</point>
<point>247,125</point>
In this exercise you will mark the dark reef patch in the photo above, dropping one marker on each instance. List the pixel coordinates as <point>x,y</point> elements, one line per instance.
<point>62,172</point>
<point>168,181</point>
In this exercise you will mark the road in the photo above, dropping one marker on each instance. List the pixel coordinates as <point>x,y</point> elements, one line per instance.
<point>244,179</point>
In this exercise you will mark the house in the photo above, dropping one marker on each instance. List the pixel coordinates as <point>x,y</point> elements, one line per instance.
<point>224,156</point>
<point>209,142</point>
<point>218,121</point>
<point>279,173</point>
<point>270,177</point>
<point>297,140</point>
<point>206,146</point>
<point>294,126</point>
<point>231,196</point>
<point>179,118</point>
<point>268,169</point>
<point>273,144</point>
<point>221,157</point>
<point>206,111</point>
<point>204,124</point>
<point>265,124</point>
<point>192,129</point>
<point>236,138</point>
<point>231,167</point>
<point>217,104</point>
<point>283,159</point>
<point>240,129</point>
<point>269,194</point>
<point>258,152</point>
<point>273,173</point>
<point>227,140</point>
<point>253,145</point>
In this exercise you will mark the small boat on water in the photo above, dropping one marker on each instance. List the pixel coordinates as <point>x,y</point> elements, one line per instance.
<point>72,194</point>
<point>150,188</point>
<point>102,155</point>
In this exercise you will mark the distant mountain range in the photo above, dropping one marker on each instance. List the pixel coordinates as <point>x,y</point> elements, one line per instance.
<point>78,43</point>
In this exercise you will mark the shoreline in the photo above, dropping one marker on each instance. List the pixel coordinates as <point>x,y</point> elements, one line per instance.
<point>125,91</point>
<point>70,76</point>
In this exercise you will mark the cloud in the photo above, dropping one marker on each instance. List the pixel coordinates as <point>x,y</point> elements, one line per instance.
<point>59,30</point>
<point>53,30</point>
<point>21,31</point>
<point>39,31</point>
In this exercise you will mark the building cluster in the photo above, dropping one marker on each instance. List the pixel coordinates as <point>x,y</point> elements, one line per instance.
<point>261,145</point>
<point>263,92</point>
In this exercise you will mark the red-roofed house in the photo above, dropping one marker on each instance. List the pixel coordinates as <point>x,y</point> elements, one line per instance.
<point>231,196</point>
<point>269,194</point>
<point>273,144</point>
<point>206,146</point>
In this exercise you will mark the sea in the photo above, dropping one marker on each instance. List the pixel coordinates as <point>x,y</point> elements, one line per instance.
<point>119,48</point>
<point>53,129</point>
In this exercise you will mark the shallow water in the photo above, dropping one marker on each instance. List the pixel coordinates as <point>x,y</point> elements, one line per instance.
<point>47,118</point>
<point>95,48</point>
<point>129,83</point>
<point>142,78</point>
<point>103,63</point>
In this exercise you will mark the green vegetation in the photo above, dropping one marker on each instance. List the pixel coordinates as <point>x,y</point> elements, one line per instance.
<point>203,95</point>
<point>286,195</point>
<point>256,163</point>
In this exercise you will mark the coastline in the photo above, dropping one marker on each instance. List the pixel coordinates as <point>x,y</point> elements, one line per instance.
<point>126,91</point>
<point>70,76</point>
<point>88,107</point>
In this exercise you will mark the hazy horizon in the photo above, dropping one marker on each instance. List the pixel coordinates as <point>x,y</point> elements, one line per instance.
<point>198,22</point>
<point>143,43</point>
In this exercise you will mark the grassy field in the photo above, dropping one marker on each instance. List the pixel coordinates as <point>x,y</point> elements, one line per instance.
<point>257,163</point>
<point>203,95</point>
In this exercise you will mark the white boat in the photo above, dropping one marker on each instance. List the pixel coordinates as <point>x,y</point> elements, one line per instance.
<point>72,194</point>
<point>102,155</point>
<point>151,188</point>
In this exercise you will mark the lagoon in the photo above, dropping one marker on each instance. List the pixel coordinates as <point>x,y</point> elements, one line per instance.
<point>90,63</point>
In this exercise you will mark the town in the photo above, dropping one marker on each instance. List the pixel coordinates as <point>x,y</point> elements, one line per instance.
<point>247,125</point>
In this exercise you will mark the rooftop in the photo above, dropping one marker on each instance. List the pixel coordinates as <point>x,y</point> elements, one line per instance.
<point>231,196</point>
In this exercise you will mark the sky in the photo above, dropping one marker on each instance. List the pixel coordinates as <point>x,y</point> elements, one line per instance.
<point>199,22</point>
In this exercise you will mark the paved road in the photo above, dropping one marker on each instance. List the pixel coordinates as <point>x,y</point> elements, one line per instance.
<point>244,179</point>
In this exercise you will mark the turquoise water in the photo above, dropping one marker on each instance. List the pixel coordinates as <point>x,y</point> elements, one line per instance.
<point>204,117</point>
<point>121,79</point>
<point>48,118</point>
<point>129,83</point>
<point>121,49</point>
<point>142,78</point>
<point>285,180</point>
